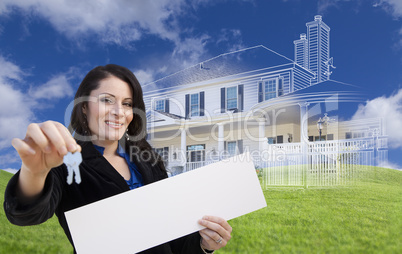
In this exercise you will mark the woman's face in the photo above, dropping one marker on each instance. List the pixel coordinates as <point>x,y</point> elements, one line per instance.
<point>110,109</point>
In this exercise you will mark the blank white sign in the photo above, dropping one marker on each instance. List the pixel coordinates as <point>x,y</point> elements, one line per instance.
<point>142,218</point>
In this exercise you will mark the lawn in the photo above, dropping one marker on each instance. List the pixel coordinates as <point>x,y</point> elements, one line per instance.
<point>361,218</point>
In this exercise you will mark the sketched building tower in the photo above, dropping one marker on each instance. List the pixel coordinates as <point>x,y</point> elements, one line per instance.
<point>301,51</point>
<point>312,52</point>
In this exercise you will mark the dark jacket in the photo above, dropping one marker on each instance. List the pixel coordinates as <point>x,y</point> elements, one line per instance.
<point>99,180</point>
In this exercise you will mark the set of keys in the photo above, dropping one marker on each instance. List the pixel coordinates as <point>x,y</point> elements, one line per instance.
<point>73,161</point>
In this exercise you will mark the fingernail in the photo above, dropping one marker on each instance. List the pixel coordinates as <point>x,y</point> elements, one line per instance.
<point>72,147</point>
<point>205,217</point>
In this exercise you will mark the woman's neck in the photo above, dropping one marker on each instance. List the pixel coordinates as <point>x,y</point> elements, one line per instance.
<point>110,146</point>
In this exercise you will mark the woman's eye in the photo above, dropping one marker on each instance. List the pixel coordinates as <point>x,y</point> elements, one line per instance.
<point>128,104</point>
<point>107,100</point>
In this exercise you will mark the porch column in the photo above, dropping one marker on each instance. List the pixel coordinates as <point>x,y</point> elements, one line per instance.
<point>183,148</point>
<point>304,139</point>
<point>261,134</point>
<point>221,140</point>
<point>304,122</point>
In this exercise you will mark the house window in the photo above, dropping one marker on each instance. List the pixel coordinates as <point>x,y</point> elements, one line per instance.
<point>160,105</point>
<point>279,139</point>
<point>195,153</point>
<point>323,138</point>
<point>163,152</point>
<point>358,135</point>
<point>231,147</point>
<point>231,98</point>
<point>269,89</point>
<point>271,140</point>
<point>348,135</point>
<point>330,137</point>
<point>195,105</point>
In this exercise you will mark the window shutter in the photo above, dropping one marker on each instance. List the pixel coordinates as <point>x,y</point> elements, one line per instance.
<point>224,146</point>
<point>167,105</point>
<point>187,106</point>
<point>202,100</point>
<point>223,101</point>
<point>240,145</point>
<point>240,98</point>
<point>280,87</point>
<point>260,92</point>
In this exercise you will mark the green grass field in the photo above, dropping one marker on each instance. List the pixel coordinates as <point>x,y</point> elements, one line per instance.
<point>362,218</point>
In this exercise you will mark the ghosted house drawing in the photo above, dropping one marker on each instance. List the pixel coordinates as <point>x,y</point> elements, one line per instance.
<point>280,110</point>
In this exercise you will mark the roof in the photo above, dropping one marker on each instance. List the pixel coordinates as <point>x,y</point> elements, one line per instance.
<point>327,86</point>
<point>326,91</point>
<point>238,62</point>
<point>170,115</point>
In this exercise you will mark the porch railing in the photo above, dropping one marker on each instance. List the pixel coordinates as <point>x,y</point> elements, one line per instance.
<point>325,163</point>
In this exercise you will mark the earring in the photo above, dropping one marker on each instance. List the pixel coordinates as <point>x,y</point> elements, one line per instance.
<point>85,127</point>
<point>127,136</point>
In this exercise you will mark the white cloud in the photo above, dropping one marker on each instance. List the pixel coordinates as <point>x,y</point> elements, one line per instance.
<point>8,158</point>
<point>144,76</point>
<point>121,22</point>
<point>9,71</point>
<point>190,50</point>
<point>394,7</point>
<point>11,170</point>
<point>15,113</point>
<point>17,105</point>
<point>117,21</point>
<point>388,108</point>
<point>389,164</point>
<point>232,38</point>
<point>56,88</point>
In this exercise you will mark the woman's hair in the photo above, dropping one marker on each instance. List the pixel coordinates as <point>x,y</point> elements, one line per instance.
<point>136,129</point>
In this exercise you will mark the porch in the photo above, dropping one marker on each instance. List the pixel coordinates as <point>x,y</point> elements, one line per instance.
<point>324,163</point>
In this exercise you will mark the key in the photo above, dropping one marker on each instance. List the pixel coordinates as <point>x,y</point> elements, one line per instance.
<point>72,161</point>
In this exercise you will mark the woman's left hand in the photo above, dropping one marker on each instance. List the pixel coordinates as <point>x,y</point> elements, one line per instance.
<point>216,233</point>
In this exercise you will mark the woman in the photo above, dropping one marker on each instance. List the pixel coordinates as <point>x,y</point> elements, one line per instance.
<point>107,122</point>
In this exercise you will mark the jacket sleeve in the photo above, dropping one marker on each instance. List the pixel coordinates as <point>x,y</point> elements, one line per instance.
<point>187,244</point>
<point>43,208</point>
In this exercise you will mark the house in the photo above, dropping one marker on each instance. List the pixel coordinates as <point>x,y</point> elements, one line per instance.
<point>254,99</point>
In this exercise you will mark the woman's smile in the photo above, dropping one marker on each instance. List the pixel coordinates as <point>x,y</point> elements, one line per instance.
<point>115,125</point>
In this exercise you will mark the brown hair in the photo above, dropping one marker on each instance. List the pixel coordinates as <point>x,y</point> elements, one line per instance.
<point>137,128</point>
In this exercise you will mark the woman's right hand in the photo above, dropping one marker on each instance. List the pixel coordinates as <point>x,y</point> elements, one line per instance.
<point>42,149</point>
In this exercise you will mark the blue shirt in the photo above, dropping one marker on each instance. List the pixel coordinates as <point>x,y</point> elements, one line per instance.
<point>135,176</point>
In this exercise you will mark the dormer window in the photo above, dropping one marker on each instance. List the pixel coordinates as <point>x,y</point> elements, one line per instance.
<point>162,105</point>
<point>269,88</point>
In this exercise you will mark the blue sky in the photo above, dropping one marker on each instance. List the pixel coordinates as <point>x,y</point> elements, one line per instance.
<point>47,47</point>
